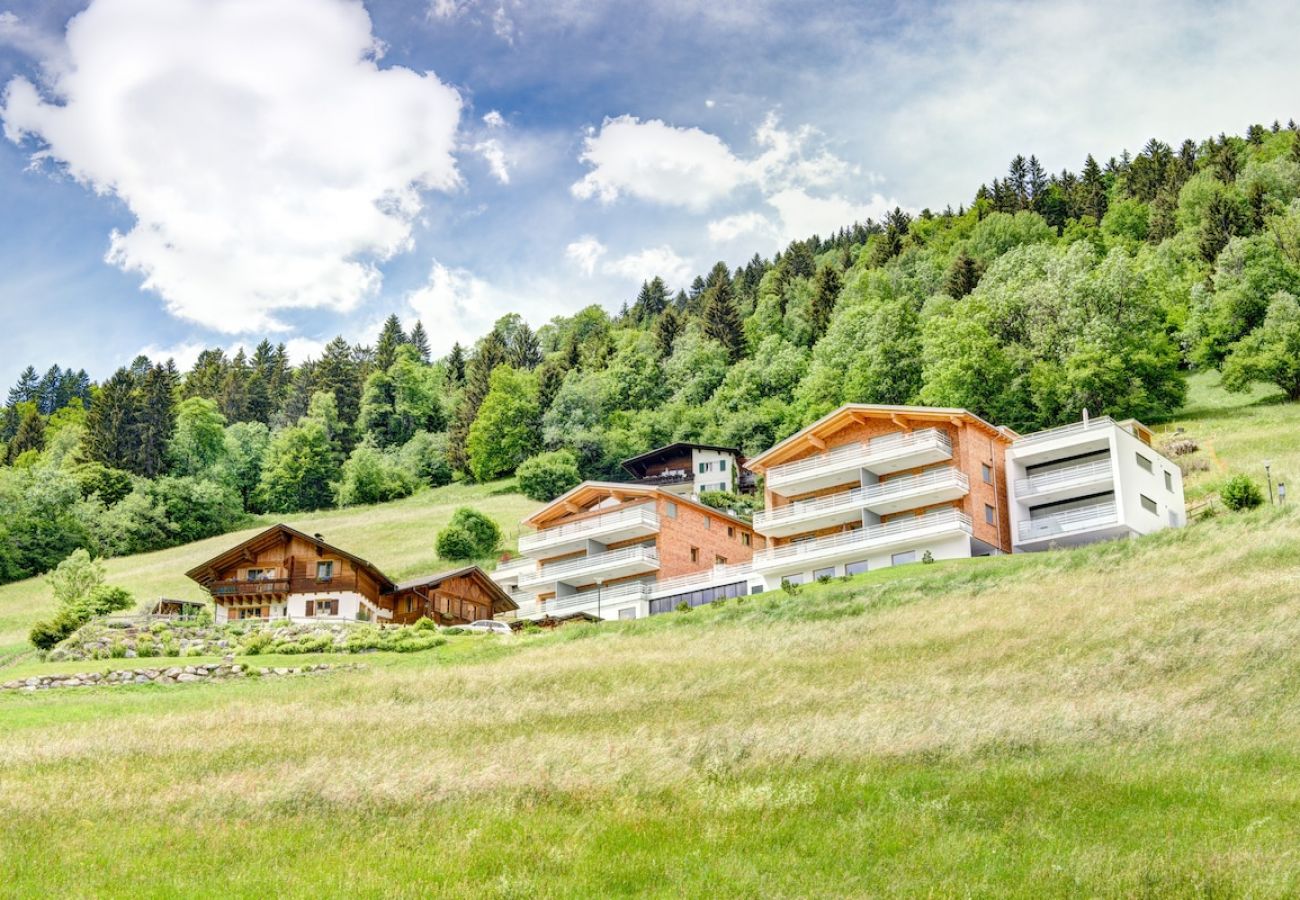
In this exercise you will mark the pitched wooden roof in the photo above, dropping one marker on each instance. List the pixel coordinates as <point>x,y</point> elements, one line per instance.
<point>575,500</point>
<point>855,412</point>
<point>206,572</point>
<point>636,465</point>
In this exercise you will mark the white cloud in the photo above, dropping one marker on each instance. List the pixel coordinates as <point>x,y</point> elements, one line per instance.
<point>803,215</point>
<point>493,119</point>
<point>742,225</point>
<point>495,156</point>
<point>32,41</point>
<point>644,265</point>
<point>584,253</point>
<point>456,305</point>
<point>186,353</point>
<point>657,162</point>
<point>268,159</point>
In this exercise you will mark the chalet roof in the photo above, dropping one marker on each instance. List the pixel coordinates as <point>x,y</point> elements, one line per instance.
<point>851,412</point>
<point>575,497</point>
<point>501,601</point>
<point>637,464</point>
<point>205,573</point>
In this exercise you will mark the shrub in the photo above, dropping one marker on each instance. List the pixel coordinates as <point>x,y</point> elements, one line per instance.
<point>789,586</point>
<point>256,643</point>
<point>425,457</point>
<point>469,535</point>
<point>1240,492</point>
<point>48,632</point>
<point>683,606</point>
<point>371,475</point>
<point>927,557</point>
<point>548,475</point>
<point>455,629</point>
<point>425,625</point>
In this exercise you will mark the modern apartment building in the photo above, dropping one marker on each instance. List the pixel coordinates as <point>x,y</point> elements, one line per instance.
<point>626,551</point>
<point>1089,481</point>
<point>869,486</point>
<point>691,469</point>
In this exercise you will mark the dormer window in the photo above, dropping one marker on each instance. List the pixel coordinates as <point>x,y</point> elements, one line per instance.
<point>324,570</point>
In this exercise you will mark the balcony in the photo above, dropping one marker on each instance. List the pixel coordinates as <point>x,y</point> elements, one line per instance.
<point>594,601</point>
<point>1064,527</point>
<point>894,495</point>
<point>723,574</point>
<point>882,455</point>
<point>1058,484</point>
<point>607,528</point>
<point>256,587</point>
<point>586,569</point>
<point>871,538</point>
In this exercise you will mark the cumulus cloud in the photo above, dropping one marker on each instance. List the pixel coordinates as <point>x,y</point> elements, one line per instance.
<point>645,264</point>
<point>186,353</point>
<point>269,160</point>
<point>803,215</point>
<point>494,154</point>
<point>742,225</point>
<point>456,305</point>
<point>655,161</point>
<point>493,119</point>
<point>584,253</point>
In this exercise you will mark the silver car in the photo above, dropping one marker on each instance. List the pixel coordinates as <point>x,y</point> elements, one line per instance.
<point>488,625</point>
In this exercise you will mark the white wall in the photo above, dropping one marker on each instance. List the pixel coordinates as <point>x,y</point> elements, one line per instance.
<point>952,547</point>
<point>710,481</point>
<point>1134,481</point>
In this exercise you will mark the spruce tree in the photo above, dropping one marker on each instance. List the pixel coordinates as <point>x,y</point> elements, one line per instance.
<point>722,319</point>
<point>207,375</point>
<point>490,353</point>
<point>339,374</point>
<point>525,353</point>
<point>1093,186</point>
<point>47,390</point>
<point>30,434</point>
<point>233,399</point>
<point>419,339</point>
<point>963,276</point>
<point>1224,219</point>
<point>667,327</point>
<point>155,420</point>
<point>390,338</point>
<point>826,291</point>
<point>111,423</point>
<point>456,365</point>
<point>25,390</point>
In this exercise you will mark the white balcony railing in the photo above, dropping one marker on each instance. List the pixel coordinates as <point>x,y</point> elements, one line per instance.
<point>716,575</point>
<point>571,568</point>
<point>1080,474</point>
<point>596,525</point>
<point>593,599</point>
<point>1081,518</point>
<point>859,454</point>
<point>1063,430</point>
<point>858,498</point>
<point>865,538</point>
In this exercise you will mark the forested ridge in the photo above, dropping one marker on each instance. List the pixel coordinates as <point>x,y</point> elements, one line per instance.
<point>1047,294</point>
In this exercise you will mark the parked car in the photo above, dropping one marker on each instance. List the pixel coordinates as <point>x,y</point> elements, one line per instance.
<point>488,625</point>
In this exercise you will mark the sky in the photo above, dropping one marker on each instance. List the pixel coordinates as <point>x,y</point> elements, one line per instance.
<point>176,174</point>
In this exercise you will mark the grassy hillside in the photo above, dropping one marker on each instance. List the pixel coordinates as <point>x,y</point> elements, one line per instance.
<point>398,537</point>
<point>1120,720</point>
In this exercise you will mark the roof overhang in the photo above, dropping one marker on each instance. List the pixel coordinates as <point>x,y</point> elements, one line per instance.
<point>205,573</point>
<point>501,601</point>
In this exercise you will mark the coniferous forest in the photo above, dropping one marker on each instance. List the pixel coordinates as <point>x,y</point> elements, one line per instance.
<point>1048,293</point>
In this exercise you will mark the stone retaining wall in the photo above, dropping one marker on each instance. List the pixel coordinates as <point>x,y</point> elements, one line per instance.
<point>223,671</point>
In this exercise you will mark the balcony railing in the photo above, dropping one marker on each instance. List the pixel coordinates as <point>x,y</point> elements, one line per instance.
<point>593,599</point>
<point>1084,472</point>
<point>249,587</point>
<point>1081,518</point>
<point>859,498</point>
<point>866,537</point>
<point>573,567</point>
<point>1063,430</point>
<point>859,454</point>
<point>624,518</point>
<point>715,575</point>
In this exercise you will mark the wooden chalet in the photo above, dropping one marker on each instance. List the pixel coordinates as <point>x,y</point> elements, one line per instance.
<point>283,573</point>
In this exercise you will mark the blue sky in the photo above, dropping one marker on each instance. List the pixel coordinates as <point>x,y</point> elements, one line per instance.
<point>182,173</point>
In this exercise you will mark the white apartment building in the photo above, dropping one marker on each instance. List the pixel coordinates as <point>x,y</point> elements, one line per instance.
<point>1089,481</point>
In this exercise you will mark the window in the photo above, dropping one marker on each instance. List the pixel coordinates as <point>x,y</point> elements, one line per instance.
<point>704,467</point>
<point>708,523</point>
<point>819,574</point>
<point>899,559</point>
<point>731,531</point>
<point>722,465</point>
<point>745,538</point>
<point>1144,462</point>
<point>249,612</point>
<point>695,554</point>
<point>990,514</point>
<point>987,471</point>
<point>719,560</point>
<point>322,607</point>
<point>627,612</point>
<point>670,509</point>
<point>855,568</point>
<point>1148,504</point>
<point>261,574</point>
<point>410,604</point>
<point>801,578</point>
<point>324,570</point>
<point>1169,482</point>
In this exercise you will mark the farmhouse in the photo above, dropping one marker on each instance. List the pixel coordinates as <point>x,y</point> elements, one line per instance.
<point>691,469</point>
<point>283,573</point>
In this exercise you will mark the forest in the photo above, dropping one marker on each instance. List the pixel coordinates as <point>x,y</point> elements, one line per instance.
<point>1045,295</point>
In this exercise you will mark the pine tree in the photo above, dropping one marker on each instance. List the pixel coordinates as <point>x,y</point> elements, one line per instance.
<point>47,390</point>
<point>390,338</point>
<point>667,327</point>
<point>963,276</point>
<point>1094,189</point>
<point>525,353</point>
<point>722,319</point>
<point>233,400</point>
<point>826,291</point>
<point>456,365</point>
<point>155,420</point>
<point>30,434</point>
<point>419,339</point>
<point>1224,219</point>
<point>1018,181</point>
<point>260,404</point>
<point>491,352</point>
<point>339,374</point>
<point>1036,180</point>
<point>25,390</point>
<point>111,423</point>
<point>207,375</point>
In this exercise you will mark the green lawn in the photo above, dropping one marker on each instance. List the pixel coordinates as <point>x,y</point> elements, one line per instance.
<point>398,537</point>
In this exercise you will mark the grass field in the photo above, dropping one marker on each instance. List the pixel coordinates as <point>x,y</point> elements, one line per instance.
<point>1120,720</point>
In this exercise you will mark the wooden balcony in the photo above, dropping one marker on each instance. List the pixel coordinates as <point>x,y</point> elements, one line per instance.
<point>271,587</point>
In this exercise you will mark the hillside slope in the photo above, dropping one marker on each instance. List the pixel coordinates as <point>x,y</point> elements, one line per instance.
<point>398,537</point>
<point>1117,720</point>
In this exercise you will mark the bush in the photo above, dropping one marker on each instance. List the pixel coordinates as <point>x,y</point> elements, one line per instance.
<point>48,632</point>
<point>454,630</point>
<point>548,475</point>
<point>927,557</point>
<point>1240,492</point>
<point>371,475</point>
<point>425,457</point>
<point>469,535</point>
<point>256,643</point>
